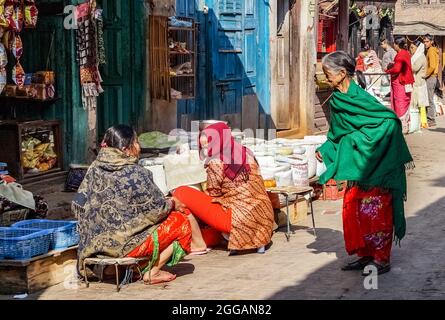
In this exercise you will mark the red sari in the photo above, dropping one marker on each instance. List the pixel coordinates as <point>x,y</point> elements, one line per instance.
<point>368,223</point>
<point>175,228</point>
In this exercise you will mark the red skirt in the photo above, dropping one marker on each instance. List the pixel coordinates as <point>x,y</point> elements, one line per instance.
<point>368,223</point>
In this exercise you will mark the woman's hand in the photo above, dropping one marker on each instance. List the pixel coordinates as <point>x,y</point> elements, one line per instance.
<point>179,206</point>
<point>318,156</point>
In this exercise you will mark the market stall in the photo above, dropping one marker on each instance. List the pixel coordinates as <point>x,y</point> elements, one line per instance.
<point>32,146</point>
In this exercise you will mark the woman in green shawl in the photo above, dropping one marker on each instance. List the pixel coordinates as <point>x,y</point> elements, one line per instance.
<point>365,147</point>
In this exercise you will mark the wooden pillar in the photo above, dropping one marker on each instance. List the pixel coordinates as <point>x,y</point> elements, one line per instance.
<point>343,25</point>
<point>302,69</point>
<point>92,130</point>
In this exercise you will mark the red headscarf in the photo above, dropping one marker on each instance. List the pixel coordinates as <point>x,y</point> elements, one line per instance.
<point>222,145</point>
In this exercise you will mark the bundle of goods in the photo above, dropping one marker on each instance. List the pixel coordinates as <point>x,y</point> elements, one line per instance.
<point>175,170</point>
<point>158,141</point>
<point>39,85</point>
<point>14,16</point>
<point>285,162</point>
<point>38,156</point>
<point>90,47</point>
<point>17,204</point>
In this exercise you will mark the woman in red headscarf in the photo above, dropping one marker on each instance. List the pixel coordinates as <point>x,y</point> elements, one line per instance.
<point>236,201</point>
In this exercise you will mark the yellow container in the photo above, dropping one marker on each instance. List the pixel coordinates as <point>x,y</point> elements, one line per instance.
<point>423,118</point>
<point>271,183</point>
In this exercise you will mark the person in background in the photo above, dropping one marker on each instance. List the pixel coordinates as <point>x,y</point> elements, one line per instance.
<point>402,80</point>
<point>372,65</point>
<point>432,72</point>
<point>365,146</point>
<point>388,58</point>
<point>360,60</point>
<point>419,64</point>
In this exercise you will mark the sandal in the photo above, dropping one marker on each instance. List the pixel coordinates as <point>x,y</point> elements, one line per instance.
<point>381,269</point>
<point>358,264</point>
<point>200,252</point>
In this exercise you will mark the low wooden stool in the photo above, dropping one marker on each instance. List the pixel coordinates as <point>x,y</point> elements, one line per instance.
<point>116,262</point>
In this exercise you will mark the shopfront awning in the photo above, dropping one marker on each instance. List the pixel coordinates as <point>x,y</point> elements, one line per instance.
<point>418,28</point>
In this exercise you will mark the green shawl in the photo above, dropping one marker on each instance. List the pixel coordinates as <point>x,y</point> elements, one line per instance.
<point>366,146</point>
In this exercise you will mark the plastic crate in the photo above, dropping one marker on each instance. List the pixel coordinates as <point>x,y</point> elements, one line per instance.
<point>22,244</point>
<point>332,191</point>
<point>63,233</point>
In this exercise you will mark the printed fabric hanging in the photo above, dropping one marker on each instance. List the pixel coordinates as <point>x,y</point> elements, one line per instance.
<point>90,51</point>
<point>15,15</point>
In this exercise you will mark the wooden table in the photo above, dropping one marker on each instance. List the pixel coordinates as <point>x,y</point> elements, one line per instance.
<point>297,191</point>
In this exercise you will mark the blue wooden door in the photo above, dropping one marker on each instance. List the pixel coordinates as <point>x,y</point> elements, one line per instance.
<point>234,58</point>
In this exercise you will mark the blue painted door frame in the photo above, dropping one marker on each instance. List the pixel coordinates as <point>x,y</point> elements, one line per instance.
<point>233,58</point>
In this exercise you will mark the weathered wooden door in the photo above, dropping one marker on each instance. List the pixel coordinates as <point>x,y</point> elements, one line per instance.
<point>233,40</point>
<point>123,74</point>
<point>280,56</point>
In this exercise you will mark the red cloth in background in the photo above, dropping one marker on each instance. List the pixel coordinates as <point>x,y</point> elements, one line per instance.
<point>402,68</point>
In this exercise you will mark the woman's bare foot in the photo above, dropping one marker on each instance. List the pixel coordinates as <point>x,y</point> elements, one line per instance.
<point>158,277</point>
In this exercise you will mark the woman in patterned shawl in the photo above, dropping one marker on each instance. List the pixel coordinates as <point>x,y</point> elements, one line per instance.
<point>236,202</point>
<point>122,213</point>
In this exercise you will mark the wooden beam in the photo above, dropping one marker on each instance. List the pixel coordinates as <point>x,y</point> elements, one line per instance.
<point>343,25</point>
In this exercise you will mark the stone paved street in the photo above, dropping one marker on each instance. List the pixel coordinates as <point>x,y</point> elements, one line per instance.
<point>309,268</point>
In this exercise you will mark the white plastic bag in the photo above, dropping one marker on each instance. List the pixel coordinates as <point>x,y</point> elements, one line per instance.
<point>159,177</point>
<point>284,178</point>
<point>184,170</point>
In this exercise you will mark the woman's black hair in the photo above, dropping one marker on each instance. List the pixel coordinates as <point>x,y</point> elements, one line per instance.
<point>120,137</point>
<point>429,37</point>
<point>340,60</point>
<point>401,42</point>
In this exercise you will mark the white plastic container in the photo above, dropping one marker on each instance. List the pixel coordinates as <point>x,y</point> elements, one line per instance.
<point>414,124</point>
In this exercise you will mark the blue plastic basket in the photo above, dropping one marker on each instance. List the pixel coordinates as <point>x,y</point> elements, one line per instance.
<point>22,244</point>
<point>63,233</point>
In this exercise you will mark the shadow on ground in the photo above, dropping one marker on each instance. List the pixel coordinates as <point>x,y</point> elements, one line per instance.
<point>417,266</point>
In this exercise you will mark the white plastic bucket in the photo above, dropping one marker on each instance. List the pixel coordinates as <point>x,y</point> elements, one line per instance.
<point>414,124</point>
